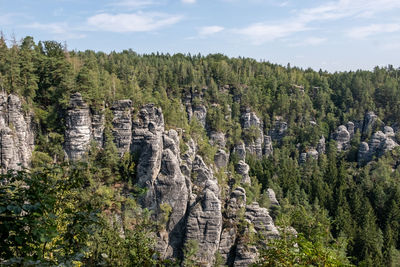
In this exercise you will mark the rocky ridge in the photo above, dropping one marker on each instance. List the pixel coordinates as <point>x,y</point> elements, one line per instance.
<point>183,184</point>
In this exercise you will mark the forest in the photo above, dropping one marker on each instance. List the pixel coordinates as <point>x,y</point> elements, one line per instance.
<point>57,213</point>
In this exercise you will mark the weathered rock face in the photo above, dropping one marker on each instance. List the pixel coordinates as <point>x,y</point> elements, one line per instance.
<point>278,130</point>
<point>236,203</point>
<point>98,123</point>
<point>194,108</point>
<point>378,144</point>
<point>342,138</point>
<point>312,153</point>
<point>251,122</point>
<point>243,168</point>
<point>221,158</point>
<point>122,125</point>
<point>350,128</point>
<point>170,189</point>
<point>204,222</point>
<point>370,120</point>
<point>321,147</point>
<point>272,198</point>
<point>16,134</point>
<point>147,140</point>
<point>240,150</point>
<point>217,139</point>
<point>268,149</point>
<point>263,225</point>
<point>78,133</point>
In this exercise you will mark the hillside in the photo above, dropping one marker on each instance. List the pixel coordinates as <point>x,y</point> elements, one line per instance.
<point>123,159</point>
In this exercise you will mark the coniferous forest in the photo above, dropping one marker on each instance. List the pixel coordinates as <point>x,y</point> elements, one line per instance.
<point>329,146</point>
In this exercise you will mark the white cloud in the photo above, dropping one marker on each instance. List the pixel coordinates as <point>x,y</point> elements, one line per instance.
<point>132,22</point>
<point>188,1</point>
<point>209,30</point>
<point>373,29</point>
<point>263,32</point>
<point>61,30</point>
<point>260,33</point>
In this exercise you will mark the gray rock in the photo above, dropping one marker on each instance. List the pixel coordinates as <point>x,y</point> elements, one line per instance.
<point>350,128</point>
<point>98,124</point>
<point>204,225</point>
<point>342,138</point>
<point>321,147</point>
<point>370,120</point>
<point>16,134</point>
<point>303,158</point>
<point>389,132</point>
<point>122,125</point>
<point>147,141</point>
<point>272,198</point>
<point>193,108</point>
<point>312,153</point>
<point>378,145</point>
<point>217,139</point>
<point>263,225</point>
<point>243,168</point>
<point>170,188</point>
<point>268,149</point>
<point>78,131</point>
<point>249,119</point>
<point>221,158</point>
<point>240,150</point>
<point>278,130</point>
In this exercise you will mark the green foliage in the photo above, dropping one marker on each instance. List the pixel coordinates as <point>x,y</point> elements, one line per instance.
<point>190,251</point>
<point>336,199</point>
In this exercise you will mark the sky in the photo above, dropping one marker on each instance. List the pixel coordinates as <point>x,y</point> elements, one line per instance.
<point>336,35</point>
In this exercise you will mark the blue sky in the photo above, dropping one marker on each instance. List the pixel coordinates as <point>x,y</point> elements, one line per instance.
<point>332,35</point>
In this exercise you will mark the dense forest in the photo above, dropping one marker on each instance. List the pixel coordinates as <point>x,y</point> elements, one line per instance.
<point>346,212</point>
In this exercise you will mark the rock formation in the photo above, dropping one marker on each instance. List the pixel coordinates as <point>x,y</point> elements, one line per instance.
<point>378,144</point>
<point>321,147</point>
<point>122,125</point>
<point>279,129</point>
<point>78,132</point>
<point>240,150</point>
<point>16,134</point>
<point>268,149</point>
<point>242,168</point>
<point>342,138</point>
<point>194,107</point>
<point>370,120</point>
<point>251,123</point>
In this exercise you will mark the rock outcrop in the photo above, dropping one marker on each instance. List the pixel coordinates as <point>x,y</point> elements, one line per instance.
<point>171,189</point>
<point>263,226</point>
<point>342,138</point>
<point>311,153</point>
<point>16,134</point>
<point>240,150</point>
<point>147,142</point>
<point>378,144</point>
<point>242,168</point>
<point>321,147</point>
<point>122,125</point>
<point>194,106</point>
<point>268,149</point>
<point>253,131</point>
<point>78,132</point>
<point>204,222</point>
<point>279,129</point>
<point>370,120</point>
<point>221,158</point>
